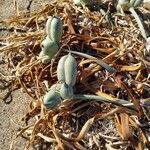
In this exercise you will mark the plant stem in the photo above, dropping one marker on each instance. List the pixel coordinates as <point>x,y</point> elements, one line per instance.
<point>98,61</point>
<point>141,27</point>
<point>116,101</point>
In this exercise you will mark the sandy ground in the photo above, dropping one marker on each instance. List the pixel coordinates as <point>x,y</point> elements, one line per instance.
<point>11,113</point>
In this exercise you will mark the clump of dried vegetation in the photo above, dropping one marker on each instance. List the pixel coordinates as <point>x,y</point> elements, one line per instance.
<point>82,124</point>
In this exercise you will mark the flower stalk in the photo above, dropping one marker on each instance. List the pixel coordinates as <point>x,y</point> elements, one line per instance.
<point>50,45</point>
<point>98,61</point>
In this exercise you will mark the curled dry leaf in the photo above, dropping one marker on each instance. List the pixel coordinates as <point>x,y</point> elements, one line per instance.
<point>85,129</point>
<point>131,68</point>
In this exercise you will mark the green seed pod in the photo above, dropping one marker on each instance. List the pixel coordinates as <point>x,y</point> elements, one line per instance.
<point>70,68</point>
<point>49,49</point>
<point>51,99</point>
<point>45,59</point>
<point>60,69</point>
<point>56,87</point>
<point>66,92</point>
<point>54,28</point>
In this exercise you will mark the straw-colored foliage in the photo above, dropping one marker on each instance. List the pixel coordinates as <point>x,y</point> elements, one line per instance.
<point>82,124</point>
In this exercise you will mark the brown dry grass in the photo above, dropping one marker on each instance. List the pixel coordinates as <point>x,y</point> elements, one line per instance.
<point>79,124</point>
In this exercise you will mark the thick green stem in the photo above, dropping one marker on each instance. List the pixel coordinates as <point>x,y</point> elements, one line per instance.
<point>116,101</point>
<point>143,33</point>
<point>98,61</point>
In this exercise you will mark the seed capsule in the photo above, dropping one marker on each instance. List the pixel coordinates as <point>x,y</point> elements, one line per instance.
<point>54,28</point>
<point>51,99</point>
<point>56,87</point>
<point>60,69</point>
<point>49,49</point>
<point>70,68</point>
<point>66,92</point>
<point>45,59</point>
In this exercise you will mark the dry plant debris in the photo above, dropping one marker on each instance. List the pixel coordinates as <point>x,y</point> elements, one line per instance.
<point>76,123</point>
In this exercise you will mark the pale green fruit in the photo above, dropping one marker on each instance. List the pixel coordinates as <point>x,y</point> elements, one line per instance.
<point>44,58</point>
<point>67,70</point>
<point>54,28</point>
<point>49,49</point>
<point>61,69</point>
<point>66,92</point>
<point>51,99</point>
<point>70,68</point>
<point>56,87</point>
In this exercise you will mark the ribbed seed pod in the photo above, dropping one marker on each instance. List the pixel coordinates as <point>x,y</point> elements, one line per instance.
<point>51,99</point>
<point>48,25</point>
<point>54,28</point>
<point>49,49</point>
<point>70,68</point>
<point>61,69</point>
<point>66,92</point>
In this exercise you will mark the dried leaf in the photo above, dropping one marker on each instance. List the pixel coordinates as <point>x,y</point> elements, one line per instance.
<point>122,124</point>
<point>46,138</point>
<point>23,130</point>
<point>79,146</point>
<point>58,138</point>
<point>135,102</point>
<point>126,133</point>
<point>131,68</point>
<point>107,96</point>
<point>85,129</point>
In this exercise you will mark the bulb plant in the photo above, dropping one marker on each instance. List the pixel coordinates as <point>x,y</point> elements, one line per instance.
<point>129,5</point>
<point>67,65</point>
<point>66,74</point>
<point>67,70</point>
<point>50,45</point>
<point>54,28</point>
